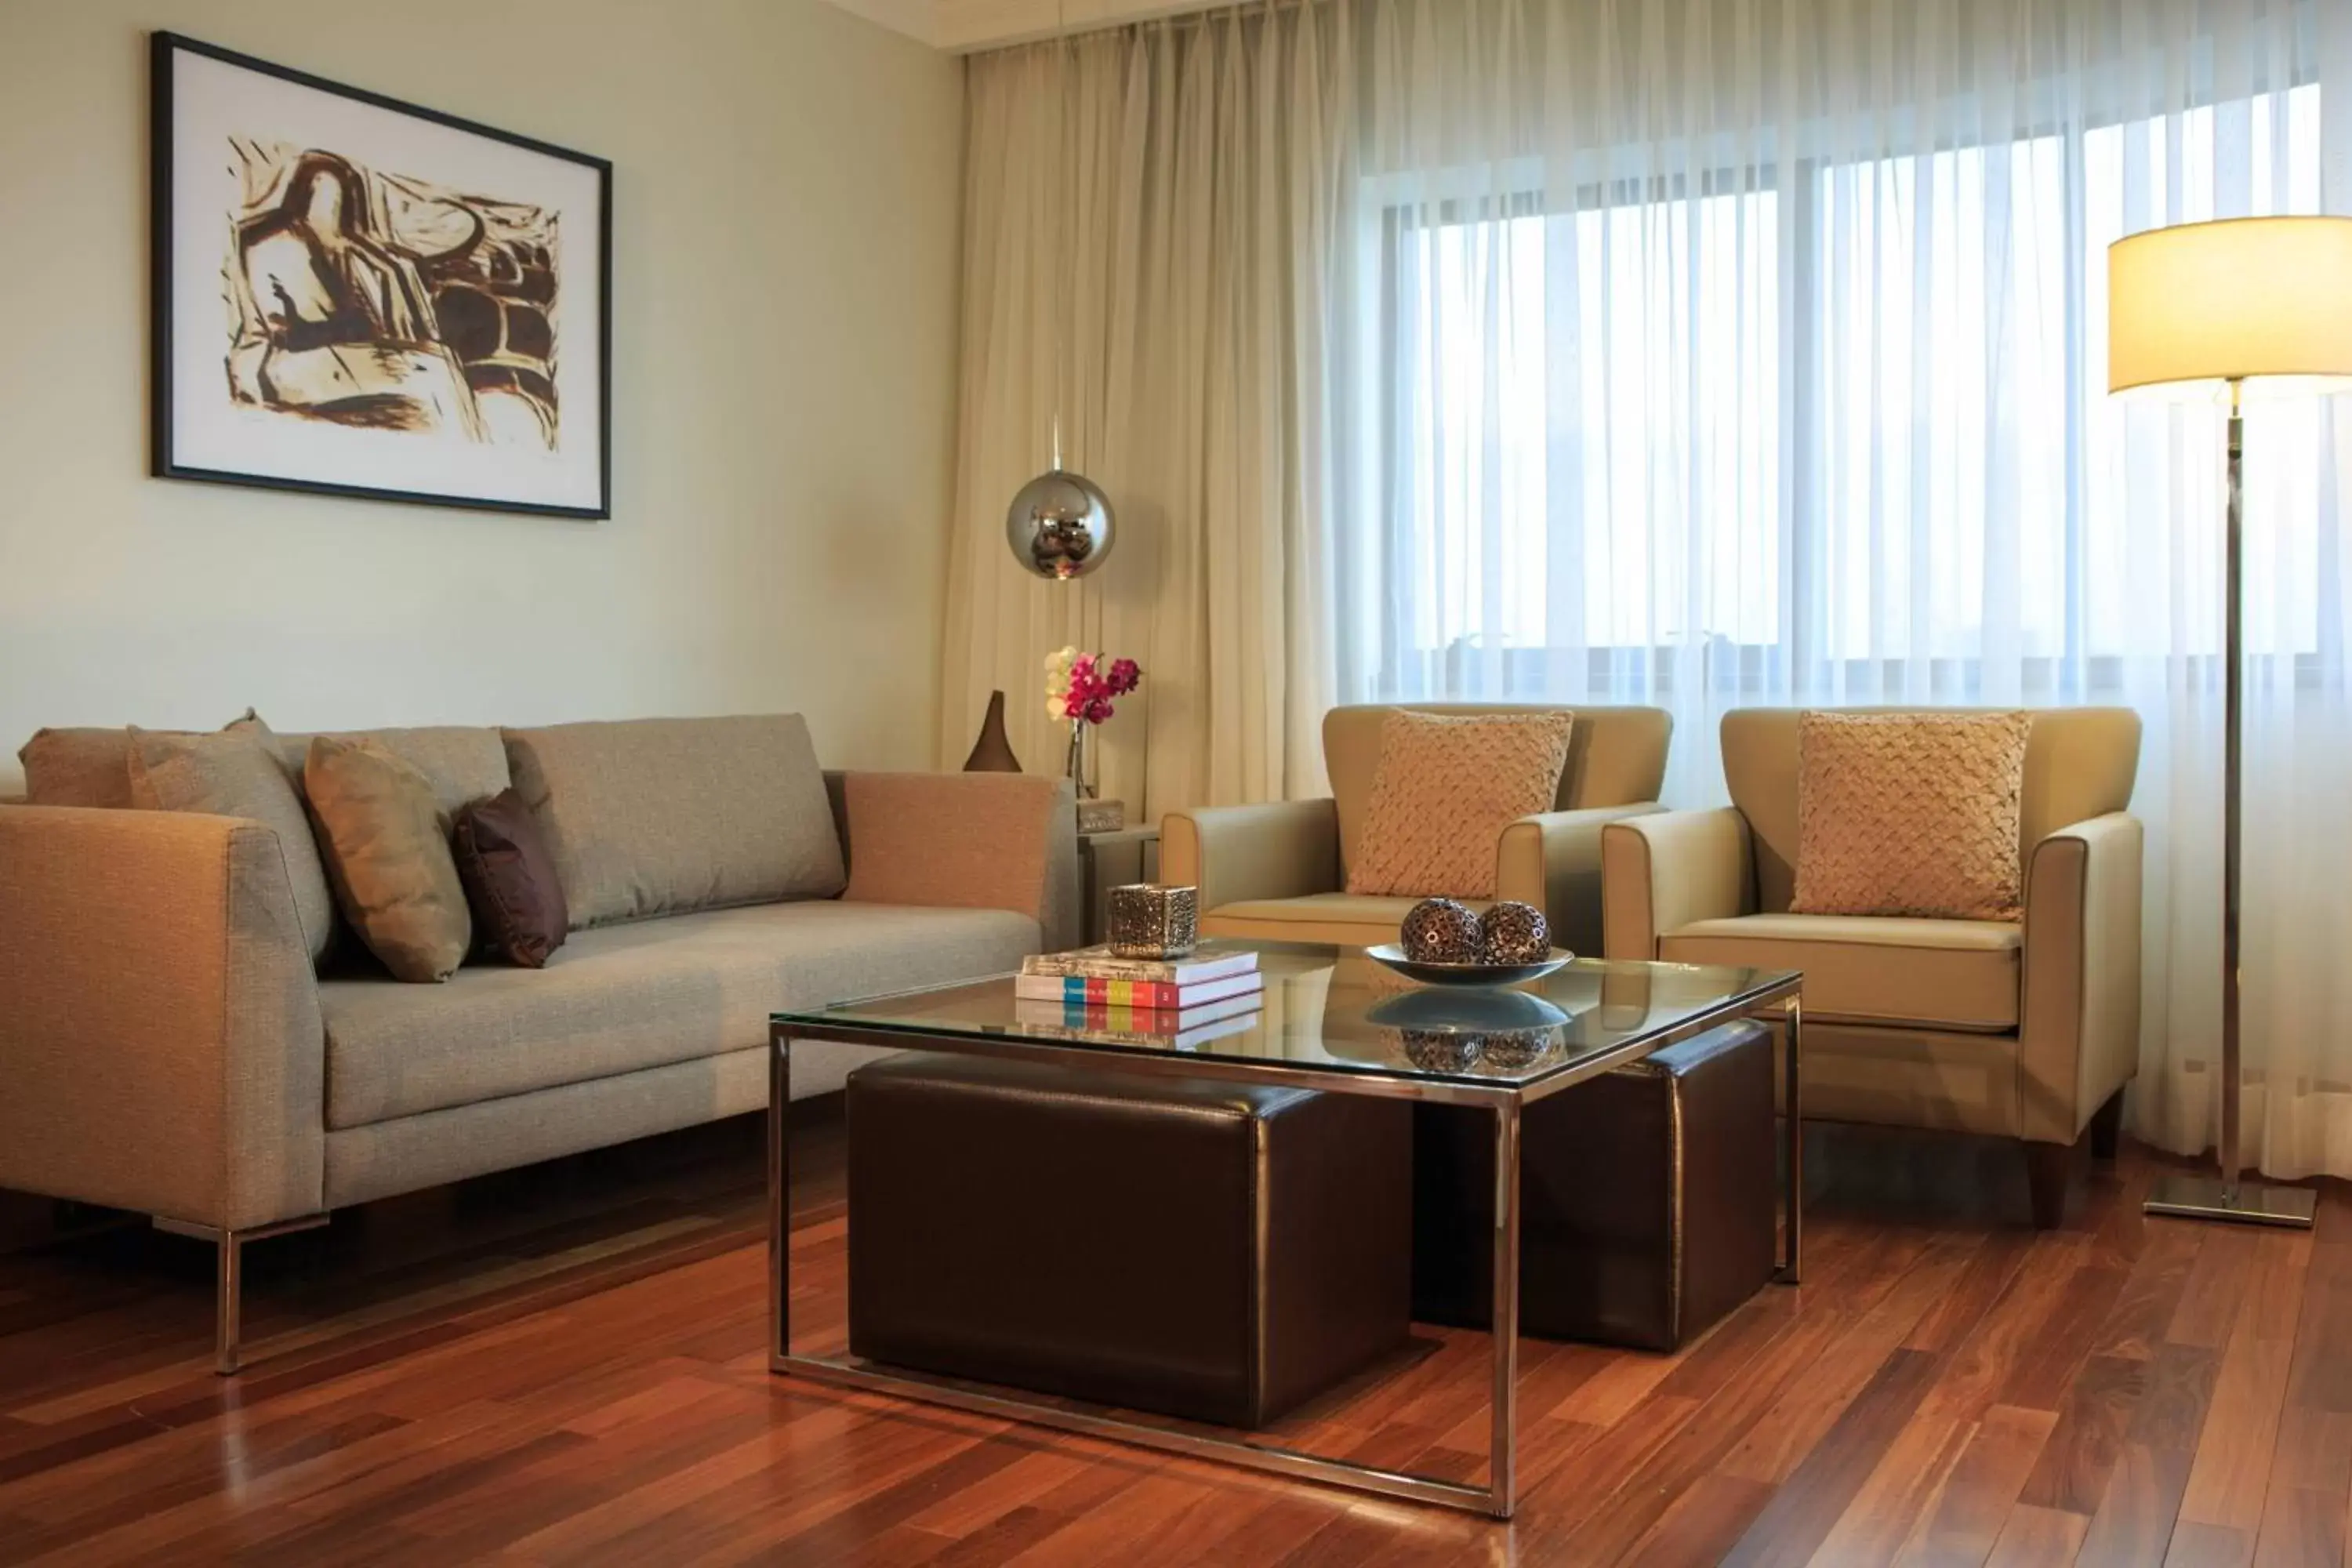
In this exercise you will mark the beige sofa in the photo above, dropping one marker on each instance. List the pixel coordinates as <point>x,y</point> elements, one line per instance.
<point>2027,1030</point>
<point>168,1049</point>
<point>1279,872</point>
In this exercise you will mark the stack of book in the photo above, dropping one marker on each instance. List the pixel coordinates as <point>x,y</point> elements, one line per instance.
<point>1181,1001</point>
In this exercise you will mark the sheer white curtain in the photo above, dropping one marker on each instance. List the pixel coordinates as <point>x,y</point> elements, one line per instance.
<point>1703,352</point>
<point>1720,352</point>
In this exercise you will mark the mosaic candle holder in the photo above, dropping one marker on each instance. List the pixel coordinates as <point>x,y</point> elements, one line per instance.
<point>1148,920</point>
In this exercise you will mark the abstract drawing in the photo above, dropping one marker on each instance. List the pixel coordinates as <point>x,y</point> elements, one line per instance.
<point>356,295</point>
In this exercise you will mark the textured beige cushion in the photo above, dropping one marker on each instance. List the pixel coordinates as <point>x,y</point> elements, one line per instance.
<point>655,817</point>
<point>2080,763</point>
<point>237,773</point>
<point>386,847</point>
<point>635,996</point>
<point>1910,814</point>
<point>1446,786</point>
<point>1936,974</point>
<point>1616,756</point>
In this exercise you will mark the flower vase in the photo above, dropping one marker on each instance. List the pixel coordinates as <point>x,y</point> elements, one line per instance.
<point>1080,764</point>
<point>992,752</point>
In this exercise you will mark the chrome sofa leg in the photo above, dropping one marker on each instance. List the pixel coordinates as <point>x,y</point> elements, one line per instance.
<point>228,1277</point>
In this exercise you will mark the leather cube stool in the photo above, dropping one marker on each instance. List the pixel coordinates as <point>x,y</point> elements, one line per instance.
<point>1648,1198</point>
<point>1199,1248</point>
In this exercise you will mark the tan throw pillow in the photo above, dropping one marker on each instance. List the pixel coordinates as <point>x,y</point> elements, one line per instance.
<point>1910,814</point>
<point>1445,787</point>
<point>236,774</point>
<point>387,851</point>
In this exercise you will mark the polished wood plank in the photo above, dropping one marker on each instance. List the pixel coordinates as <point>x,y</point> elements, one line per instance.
<point>567,1365</point>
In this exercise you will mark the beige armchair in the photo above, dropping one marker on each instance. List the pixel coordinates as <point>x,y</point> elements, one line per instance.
<point>2026,1030</point>
<point>1279,872</point>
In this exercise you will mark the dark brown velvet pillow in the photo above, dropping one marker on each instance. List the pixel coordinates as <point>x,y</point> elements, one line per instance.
<point>510,878</point>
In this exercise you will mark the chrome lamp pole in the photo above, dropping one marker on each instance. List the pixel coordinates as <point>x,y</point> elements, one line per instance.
<point>2266,299</point>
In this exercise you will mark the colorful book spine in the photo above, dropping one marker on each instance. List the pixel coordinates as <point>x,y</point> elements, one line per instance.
<point>1094,992</point>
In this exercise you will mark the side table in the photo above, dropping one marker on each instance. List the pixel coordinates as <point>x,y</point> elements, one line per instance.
<point>1108,861</point>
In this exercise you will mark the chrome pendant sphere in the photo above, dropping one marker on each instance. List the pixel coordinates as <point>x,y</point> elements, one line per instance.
<point>1059,525</point>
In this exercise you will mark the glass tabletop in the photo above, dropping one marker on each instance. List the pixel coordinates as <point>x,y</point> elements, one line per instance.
<point>1335,1009</point>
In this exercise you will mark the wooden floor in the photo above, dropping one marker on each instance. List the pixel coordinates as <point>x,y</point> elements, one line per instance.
<point>566,1364</point>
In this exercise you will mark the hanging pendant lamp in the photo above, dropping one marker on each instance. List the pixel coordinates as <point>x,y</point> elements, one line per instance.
<point>1059,525</point>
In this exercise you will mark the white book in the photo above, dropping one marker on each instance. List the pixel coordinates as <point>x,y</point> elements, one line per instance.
<point>1210,961</point>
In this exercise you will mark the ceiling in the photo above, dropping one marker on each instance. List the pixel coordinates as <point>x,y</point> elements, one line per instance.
<point>963,27</point>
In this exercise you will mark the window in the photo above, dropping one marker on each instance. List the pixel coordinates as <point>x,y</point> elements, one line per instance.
<point>1857,413</point>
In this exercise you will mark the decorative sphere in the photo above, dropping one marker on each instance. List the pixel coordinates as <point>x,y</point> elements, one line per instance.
<point>1440,1050</point>
<point>1059,525</point>
<point>1511,1050</point>
<point>1514,933</point>
<point>1440,930</point>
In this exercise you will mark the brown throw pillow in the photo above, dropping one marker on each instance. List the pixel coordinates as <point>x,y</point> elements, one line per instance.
<point>1910,814</point>
<point>386,847</point>
<point>1445,789</point>
<point>509,879</point>
<point>237,773</point>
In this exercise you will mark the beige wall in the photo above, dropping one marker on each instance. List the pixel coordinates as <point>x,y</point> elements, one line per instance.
<point>786,188</point>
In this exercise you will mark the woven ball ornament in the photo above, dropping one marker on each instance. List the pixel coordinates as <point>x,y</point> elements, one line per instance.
<point>1440,930</point>
<point>1438,1050</point>
<point>1514,933</point>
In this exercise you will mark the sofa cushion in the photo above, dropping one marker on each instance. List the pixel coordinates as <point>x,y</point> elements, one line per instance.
<point>652,816</point>
<point>1944,974</point>
<point>463,762</point>
<point>88,767</point>
<point>634,996</point>
<point>385,846</point>
<point>237,773</point>
<point>1352,919</point>
<point>511,881</point>
<point>91,766</point>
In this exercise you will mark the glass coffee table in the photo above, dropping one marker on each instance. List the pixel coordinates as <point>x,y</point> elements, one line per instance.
<point>1333,1020</point>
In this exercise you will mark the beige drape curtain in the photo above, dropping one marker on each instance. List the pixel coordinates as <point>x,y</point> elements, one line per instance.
<point>1137,207</point>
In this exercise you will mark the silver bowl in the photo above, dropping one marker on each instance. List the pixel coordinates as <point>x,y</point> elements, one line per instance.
<point>1392,955</point>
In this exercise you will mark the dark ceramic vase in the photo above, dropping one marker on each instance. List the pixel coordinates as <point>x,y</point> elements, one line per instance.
<point>992,753</point>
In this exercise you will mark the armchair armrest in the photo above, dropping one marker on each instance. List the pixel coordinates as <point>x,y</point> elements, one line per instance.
<point>1286,849</point>
<point>2079,1013</point>
<point>1661,872</point>
<point>160,1043</point>
<point>1552,860</point>
<point>987,841</point>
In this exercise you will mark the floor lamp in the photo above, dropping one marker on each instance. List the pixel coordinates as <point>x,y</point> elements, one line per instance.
<point>2201,311</point>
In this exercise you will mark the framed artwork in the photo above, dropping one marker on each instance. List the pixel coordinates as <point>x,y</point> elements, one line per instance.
<point>356,296</point>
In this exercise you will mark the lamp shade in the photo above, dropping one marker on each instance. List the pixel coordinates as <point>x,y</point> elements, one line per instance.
<point>2203,304</point>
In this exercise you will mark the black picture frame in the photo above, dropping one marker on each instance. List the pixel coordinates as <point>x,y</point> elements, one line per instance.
<point>167,461</point>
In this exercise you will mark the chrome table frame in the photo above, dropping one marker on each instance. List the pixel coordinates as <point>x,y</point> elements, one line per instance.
<point>1778,1003</point>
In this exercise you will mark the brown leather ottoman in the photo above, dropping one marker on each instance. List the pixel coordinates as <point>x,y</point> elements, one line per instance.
<point>1199,1248</point>
<point>1647,1199</point>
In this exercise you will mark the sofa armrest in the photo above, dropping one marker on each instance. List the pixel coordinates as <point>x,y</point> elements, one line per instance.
<point>160,1044</point>
<point>2079,1013</point>
<point>1553,861</point>
<point>987,841</point>
<point>1661,872</point>
<point>1286,849</point>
